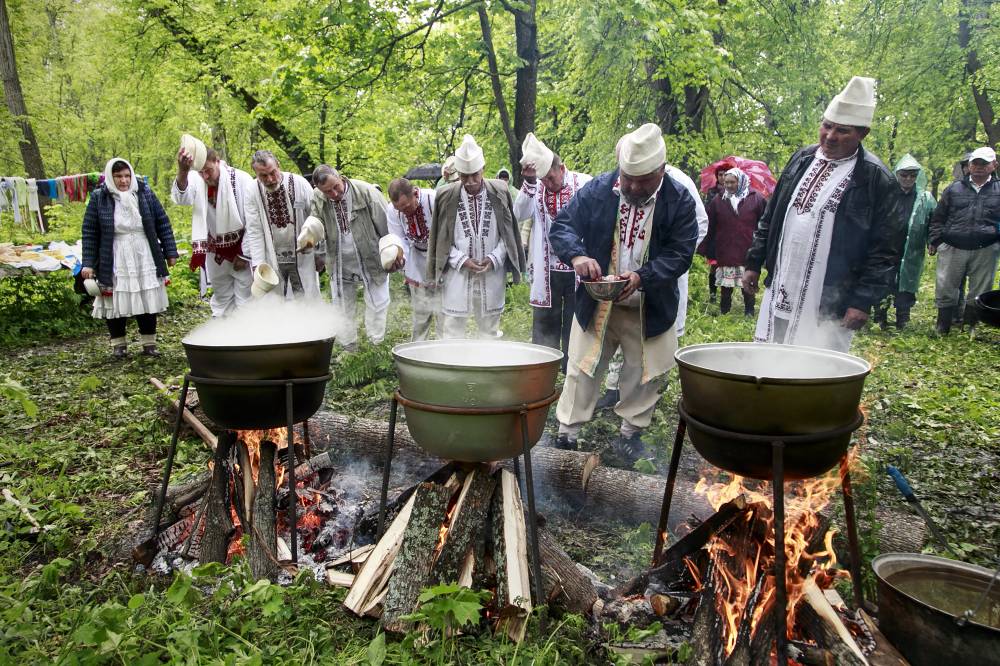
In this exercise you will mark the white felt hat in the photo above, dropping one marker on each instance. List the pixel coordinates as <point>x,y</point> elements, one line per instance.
<point>985,153</point>
<point>535,152</point>
<point>469,156</point>
<point>264,280</point>
<point>855,104</point>
<point>312,233</point>
<point>390,248</point>
<point>196,149</point>
<point>642,151</point>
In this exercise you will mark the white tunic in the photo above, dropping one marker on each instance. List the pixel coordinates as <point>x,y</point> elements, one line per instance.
<point>415,230</point>
<point>797,285</point>
<point>536,202</point>
<point>476,237</point>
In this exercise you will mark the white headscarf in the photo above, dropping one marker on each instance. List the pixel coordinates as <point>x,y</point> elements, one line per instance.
<point>742,188</point>
<point>128,201</point>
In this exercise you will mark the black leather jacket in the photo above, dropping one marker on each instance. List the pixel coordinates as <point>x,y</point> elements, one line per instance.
<point>964,218</point>
<point>868,232</point>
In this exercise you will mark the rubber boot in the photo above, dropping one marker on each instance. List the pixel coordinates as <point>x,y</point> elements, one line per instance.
<point>944,320</point>
<point>902,318</point>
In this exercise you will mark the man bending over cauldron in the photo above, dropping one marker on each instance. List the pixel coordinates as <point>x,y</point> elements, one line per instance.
<point>638,223</point>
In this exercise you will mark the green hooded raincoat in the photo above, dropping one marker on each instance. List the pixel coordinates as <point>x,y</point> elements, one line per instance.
<point>912,260</point>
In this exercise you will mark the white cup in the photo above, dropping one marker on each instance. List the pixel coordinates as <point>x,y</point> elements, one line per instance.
<point>264,280</point>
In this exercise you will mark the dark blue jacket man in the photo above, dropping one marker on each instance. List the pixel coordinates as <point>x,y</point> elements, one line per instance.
<point>638,224</point>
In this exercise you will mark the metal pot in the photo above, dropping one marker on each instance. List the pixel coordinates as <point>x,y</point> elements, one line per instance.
<point>258,407</point>
<point>772,391</point>
<point>475,374</point>
<point>918,599</point>
<point>989,307</point>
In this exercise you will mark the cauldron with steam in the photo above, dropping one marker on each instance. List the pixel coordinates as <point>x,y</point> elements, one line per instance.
<point>770,392</point>
<point>244,387</point>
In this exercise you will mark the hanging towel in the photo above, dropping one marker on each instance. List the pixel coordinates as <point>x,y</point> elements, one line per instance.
<point>34,209</point>
<point>5,203</point>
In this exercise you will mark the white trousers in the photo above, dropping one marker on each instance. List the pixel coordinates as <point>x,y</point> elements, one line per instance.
<point>637,400</point>
<point>488,325</point>
<point>425,303</point>
<point>230,287</point>
<point>374,319</point>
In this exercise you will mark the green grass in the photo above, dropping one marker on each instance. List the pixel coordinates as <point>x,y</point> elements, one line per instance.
<point>86,462</point>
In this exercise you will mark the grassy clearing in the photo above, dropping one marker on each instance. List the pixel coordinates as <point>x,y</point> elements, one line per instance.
<point>86,461</point>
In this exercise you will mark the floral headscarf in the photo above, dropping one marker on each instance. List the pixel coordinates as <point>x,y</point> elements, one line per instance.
<point>742,188</point>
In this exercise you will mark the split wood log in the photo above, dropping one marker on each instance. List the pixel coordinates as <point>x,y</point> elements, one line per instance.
<point>180,495</point>
<point>416,555</point>
<point>199,428</point>
<point>566,587</point>
<point>810,655</point>
<point>369,583</point>
<point>706,633</point>
<point>218,522</point>
<point>741,654</point>
<point>262,551</point>
<point>510,553</point>
<point>573,477</point>
<point>339,578</point>
<point>354,556</point>
<point>885,653</point>
<point>820,621</point>
<point>246,476</point>
<point>468,520</point>
<point>687,545</point>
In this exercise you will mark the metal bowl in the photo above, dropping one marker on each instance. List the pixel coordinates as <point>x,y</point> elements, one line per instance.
<point>772,391</point>
<point>256,407</point>
<point>989,307</point>
<point>918,599</point>
<point>605,290</point>
<point>475,374</point>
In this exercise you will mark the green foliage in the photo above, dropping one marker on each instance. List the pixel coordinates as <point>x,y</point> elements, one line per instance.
<point>12,390</point>
<point>40,306</point>
<point>447,608</point>
<point>370,364</point>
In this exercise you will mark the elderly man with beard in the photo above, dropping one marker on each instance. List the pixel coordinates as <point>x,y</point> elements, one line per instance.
<point>277,205</point>
<point>474,243</point>
<point>831,234</point>
<point>352,215</point>
<point>410,218</point>
<point>216,192</point>
<point>639,224</point>
<point>553,282</point>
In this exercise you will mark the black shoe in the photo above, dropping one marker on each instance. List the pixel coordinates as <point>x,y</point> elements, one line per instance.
<point>119,352</point>
<point>944,320</point>
<point>564,443</point>
<point>150,350</point>
<point>629,449</point>
<point>609,399</point>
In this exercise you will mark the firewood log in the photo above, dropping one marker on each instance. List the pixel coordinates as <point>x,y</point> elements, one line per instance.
<point>218,522</point>
<point>262,551</point>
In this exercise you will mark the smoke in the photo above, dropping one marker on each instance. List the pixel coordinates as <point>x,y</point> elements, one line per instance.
<point>270,321</point>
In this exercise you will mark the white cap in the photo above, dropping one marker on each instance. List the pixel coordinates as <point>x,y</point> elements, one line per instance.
<point>985,153</point>
<point>196,149</point>
<point>855,105</point>
<point>469,156</point>
<point>535,152</point>
<point>642,151</point>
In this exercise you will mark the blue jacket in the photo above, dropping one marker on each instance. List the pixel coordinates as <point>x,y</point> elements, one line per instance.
<point>98,233</point>
<point>586,226</point>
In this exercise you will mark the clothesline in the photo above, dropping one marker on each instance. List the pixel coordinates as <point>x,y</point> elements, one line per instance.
<point>21,194</point>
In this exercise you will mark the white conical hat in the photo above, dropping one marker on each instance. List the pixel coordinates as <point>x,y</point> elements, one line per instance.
<point>535,152</point>
<point>642,151</point>
<point>855,105</point>
<point>196,149</point>
<point>469,156</point>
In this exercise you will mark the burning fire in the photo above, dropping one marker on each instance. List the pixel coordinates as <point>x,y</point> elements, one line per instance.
<point>739,566</point>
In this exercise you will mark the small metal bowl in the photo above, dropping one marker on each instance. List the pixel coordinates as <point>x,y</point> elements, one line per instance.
<point>605,290</point>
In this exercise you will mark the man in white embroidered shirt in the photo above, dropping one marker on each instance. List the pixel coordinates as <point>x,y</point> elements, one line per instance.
<point>474,242</point>
<point>830,235</point>
<point>410,219</point>
<point>553,282</point>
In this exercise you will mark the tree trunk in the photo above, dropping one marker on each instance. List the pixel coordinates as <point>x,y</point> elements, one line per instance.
<point>513,147</point>
<point>526,82</point>
<point>976,10</point>
<point>31,156</point>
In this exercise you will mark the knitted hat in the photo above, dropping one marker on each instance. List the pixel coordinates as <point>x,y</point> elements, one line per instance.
<point>855,105</point>
<point>469,156</point>
<point>642,151</point>
<point>535,152</point>
<point>196,149</point>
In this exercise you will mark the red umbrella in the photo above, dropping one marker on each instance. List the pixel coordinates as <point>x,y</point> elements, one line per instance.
<point>760,176</point>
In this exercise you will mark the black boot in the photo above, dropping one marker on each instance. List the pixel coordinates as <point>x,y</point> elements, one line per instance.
<point>902,317</point>
<point>711,284</point>
<point>971,316</point>
<point>726,302</point>
<point>882,317</point>
<point>944,320</point>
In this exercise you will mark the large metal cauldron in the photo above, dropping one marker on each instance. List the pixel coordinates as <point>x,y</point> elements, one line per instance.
<point>918,599</point>
<point>773,391</point>
<point>475,374</point>
<point>255,406</point>
<point>989,307</point>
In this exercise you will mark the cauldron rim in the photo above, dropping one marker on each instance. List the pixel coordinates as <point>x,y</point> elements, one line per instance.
<point>780,381</point>
<point>283,345</point>
<point>398,353</point>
